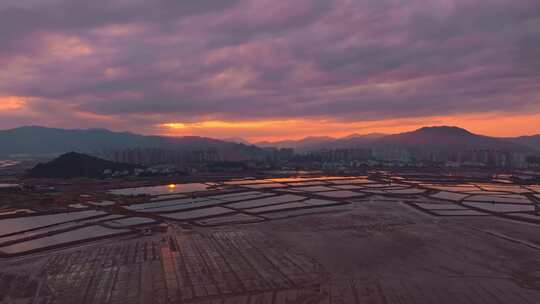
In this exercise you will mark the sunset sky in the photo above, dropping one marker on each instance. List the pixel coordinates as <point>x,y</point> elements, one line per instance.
<point>268,69</point>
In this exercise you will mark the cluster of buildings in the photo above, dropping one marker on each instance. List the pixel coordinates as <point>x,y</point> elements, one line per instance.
<point>331,159</point>
<point>149,171</point>
<point>488,158</point>
<point>150,156</point>
<point>275,155</point>
<point>341,155</point>
<point>160,161</point>
<point>398,157</point>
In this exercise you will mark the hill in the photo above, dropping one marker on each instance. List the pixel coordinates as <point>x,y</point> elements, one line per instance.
<point>41,140</point>
<point>427,139</point>
<point>446,138</point>
<point>73,164</point>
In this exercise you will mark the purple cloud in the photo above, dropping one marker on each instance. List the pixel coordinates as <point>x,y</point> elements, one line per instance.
<point>136,61</point>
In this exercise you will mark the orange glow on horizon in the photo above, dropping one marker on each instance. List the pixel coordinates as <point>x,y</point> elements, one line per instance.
<point>11,103</point>
<point>218,124</point>
<point>490,124</point>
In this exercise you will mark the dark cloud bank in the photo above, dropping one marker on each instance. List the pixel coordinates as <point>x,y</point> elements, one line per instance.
<point>154,61</point>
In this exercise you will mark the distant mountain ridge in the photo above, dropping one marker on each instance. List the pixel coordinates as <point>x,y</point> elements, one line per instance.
<point>324,142</point>
<point>428,138</point>
<point>42,140</point>
<point>445,138</point>
<point>237,140</point>
<point>300,145</point>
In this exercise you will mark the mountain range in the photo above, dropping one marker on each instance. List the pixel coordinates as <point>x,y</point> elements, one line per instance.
<point>41,140</point>
<point>427,138</point>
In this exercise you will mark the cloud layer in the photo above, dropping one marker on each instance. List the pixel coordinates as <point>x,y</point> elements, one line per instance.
<point>133,64</point>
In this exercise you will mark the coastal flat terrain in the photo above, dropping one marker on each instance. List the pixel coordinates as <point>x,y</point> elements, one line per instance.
<point>327,240</point>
